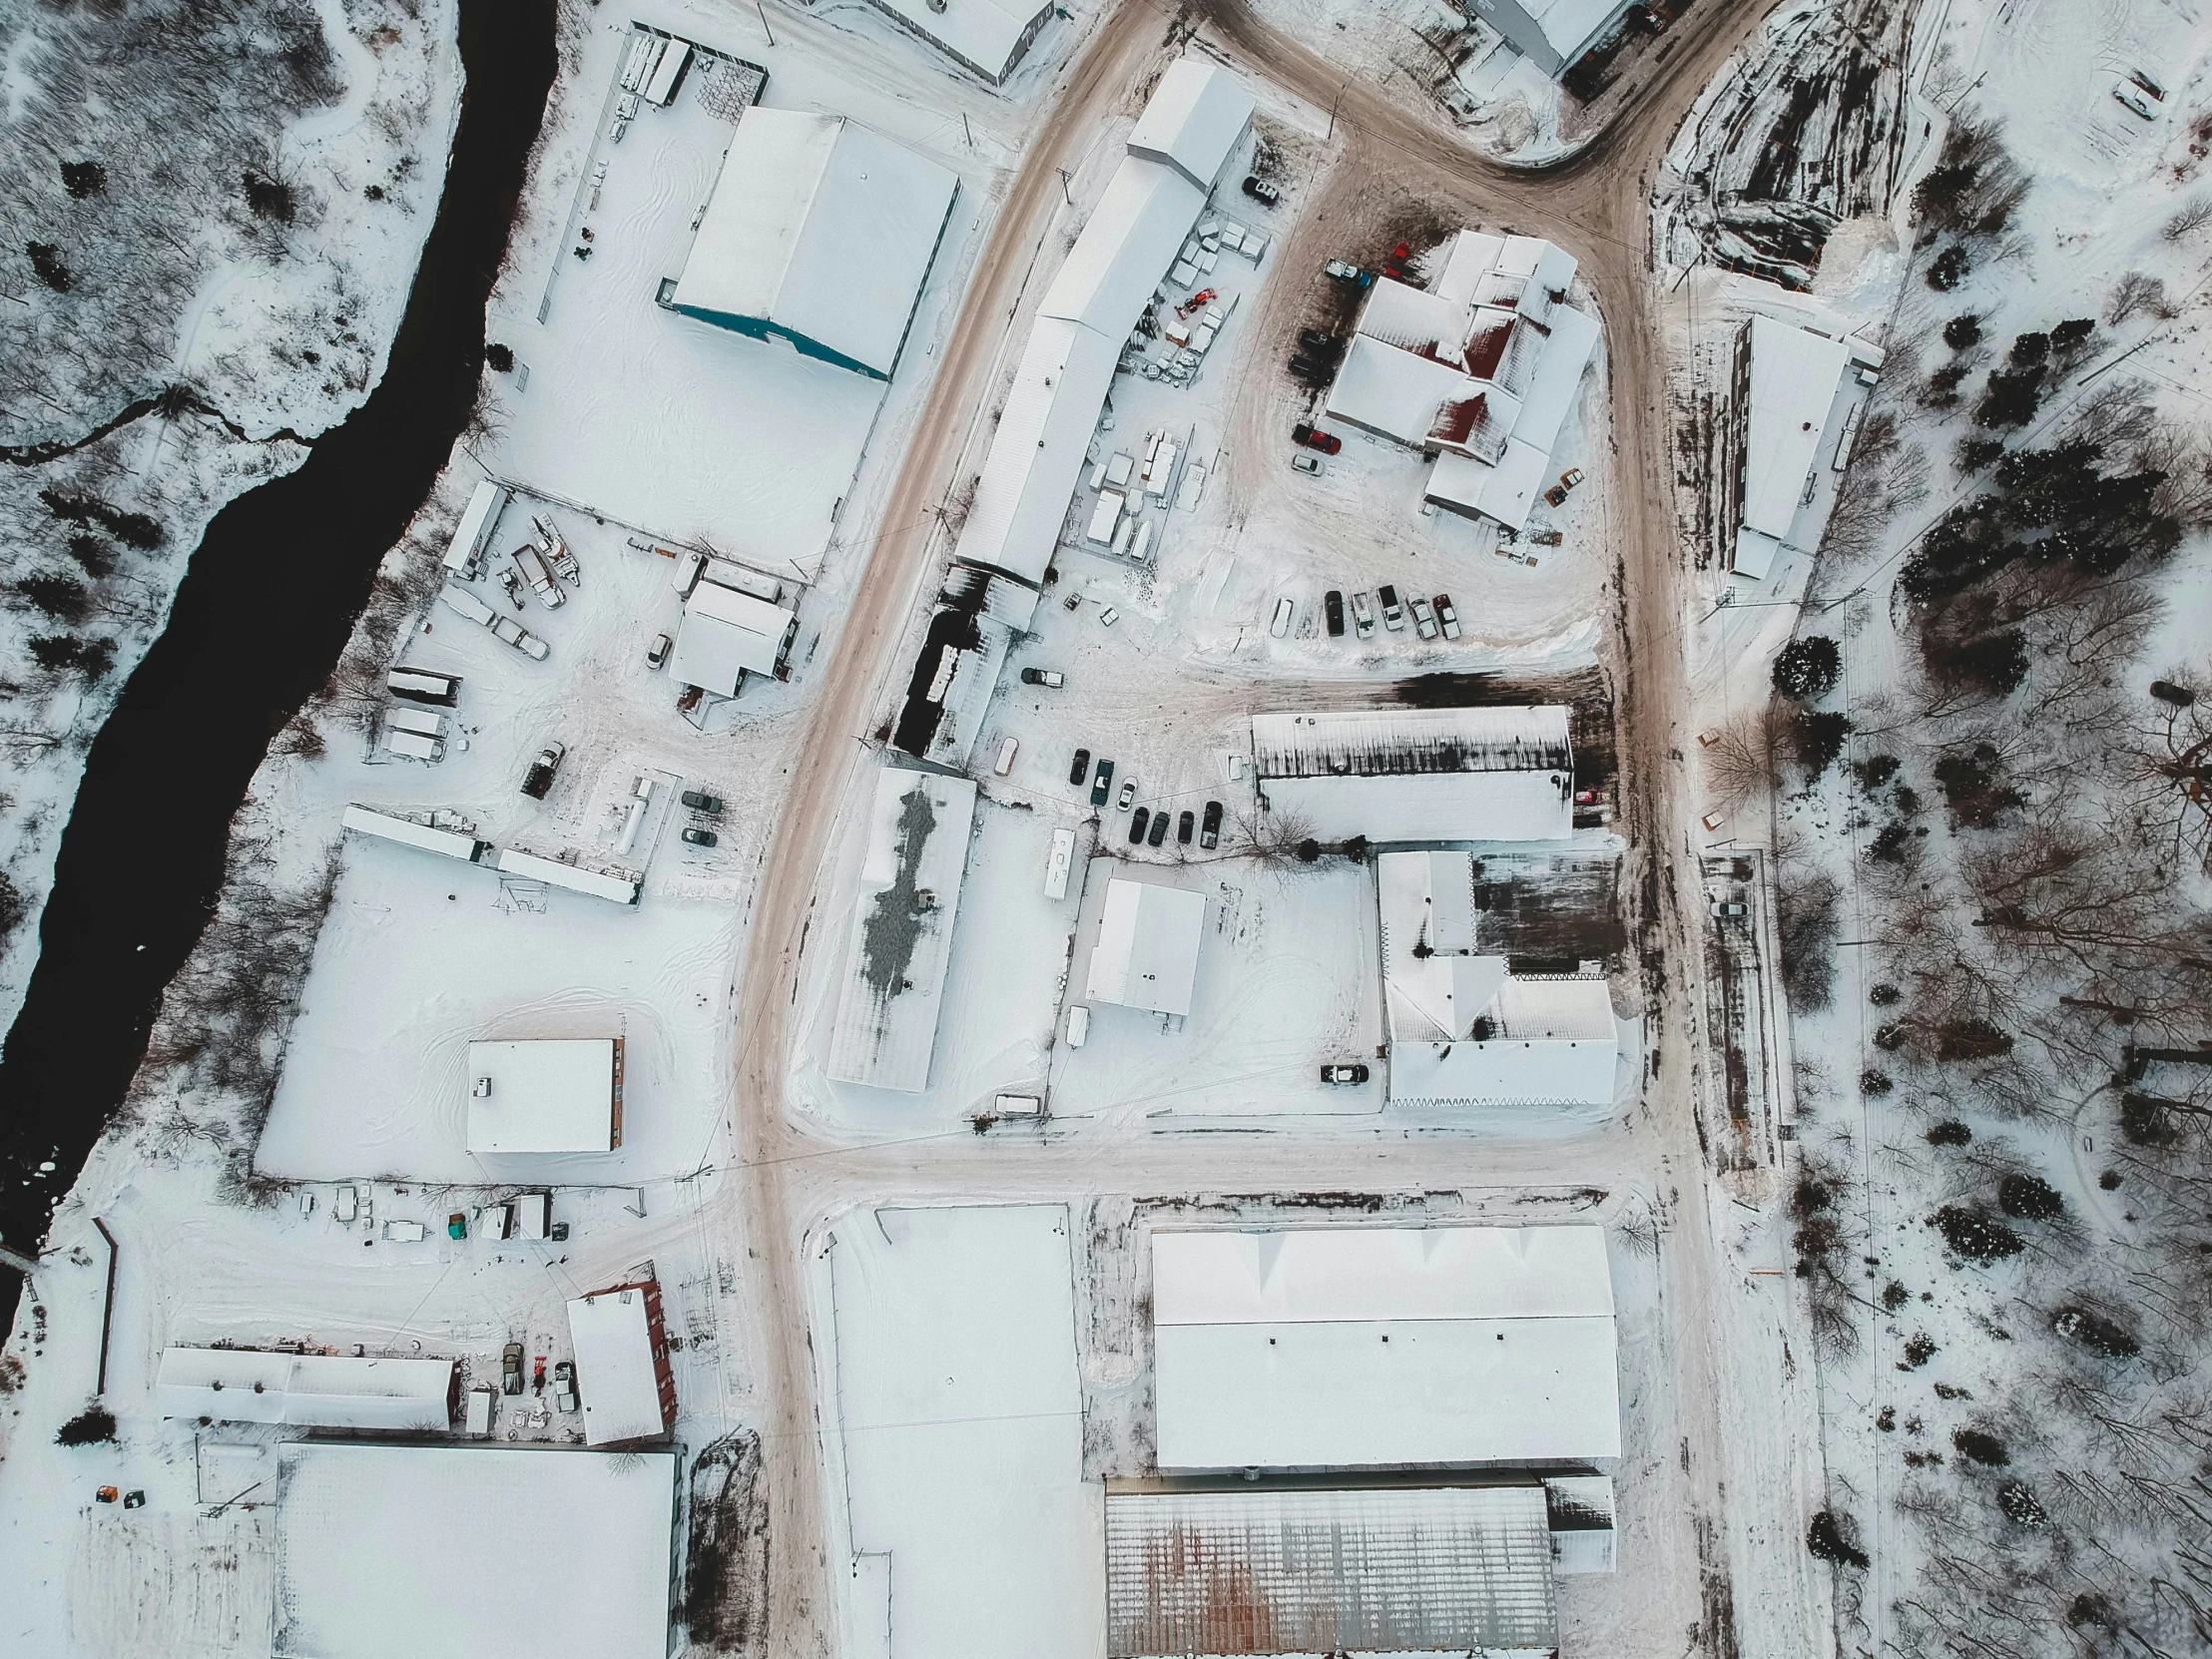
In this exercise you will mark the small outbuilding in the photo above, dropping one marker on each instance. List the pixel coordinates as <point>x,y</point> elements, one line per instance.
<point>622,1368</point>
<point>560,1094</point>
<point>1147,951</point>
<point>1785,386</point>
<point>726,634</point>
<point>820,233</point>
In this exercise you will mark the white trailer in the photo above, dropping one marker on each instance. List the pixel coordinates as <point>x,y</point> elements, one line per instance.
<point>622,890</point>
<point>1104,517</point>
<point>478,520</point>
<point>420,686</point>
<point>415,719</point>
<point>1058,865</point>
<point>668,74</point>
<point>465,603</point>
<point>413,745</point>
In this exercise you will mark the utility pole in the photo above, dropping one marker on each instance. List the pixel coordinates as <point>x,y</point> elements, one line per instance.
<point>966,132</point>
<point>1063,172</point>
<point>1333,112</point>
<point>765,29</point>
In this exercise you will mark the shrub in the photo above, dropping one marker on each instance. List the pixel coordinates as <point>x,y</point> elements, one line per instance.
<point>2029,1198</point>
<point>1819,737</point>
<point>2093,1330</point>
<point>1972,790</point>
<point>1982,1448</point>
<point>1888,1038</point>
<point>2012,397</point>
<point>1950,1132</point>
<point>1888,844</point>
<point>1895,1296</point>
<point>83,179</point>
<point>501,357</point>
<point>1917,1352</point>
<point>1907,799</point>
<point>94,1425</point>
<point>1962,330</point>
<point>2020,1505</point>
<point>1875,771</point>
<point>1971,1040</point>
<point>1948,268</point>
<point>1884,995</point>
<point>46,260</point>
<point>1832,1538</point>
<point>1942,391</point>
<point>1873,1082</point>
<point>1975,1236</point>
<point>1808,668</point>
<point>2030,349</point>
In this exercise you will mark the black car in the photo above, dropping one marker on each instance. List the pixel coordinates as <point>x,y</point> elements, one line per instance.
<point>700,837</point>
<point>1261,190</point>
<point>1332,601</point>
<point>1050,678</point>
<point>1102,785</point>
<point>1137,822</point>
<point>700,802</point>
<point>1209,831</point>
<point>1082,767</point>
<point>1159,828</point>
<point>1346,1074</point>
<point>1316,339</point>
<point>1183,828</point>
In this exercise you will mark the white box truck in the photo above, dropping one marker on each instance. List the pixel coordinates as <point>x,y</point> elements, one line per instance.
<point>478,520</point>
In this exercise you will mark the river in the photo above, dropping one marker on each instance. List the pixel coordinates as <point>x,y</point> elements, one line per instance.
<point>266,603</point>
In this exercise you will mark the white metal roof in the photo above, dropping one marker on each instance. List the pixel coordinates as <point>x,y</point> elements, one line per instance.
<point>903,921</point>
<point>1447,807</point>
<point>726,634</point>
<point>1574,26</point>
<point>1580,1510</point>
<point>547,1095</point>
<point>1147,951</point>
<point>321,1390</point>
<point>1270,1570</point>
<point>617,1378</point>
<point>1361,1346</point>
<point>1792,383</point>
<point>1394,393</point>
<point>986,35</point>
<point>1378,741</point>
<point>364,821</point>
<point>531,867</point>
<point>1559,377</point>
<point>1504,491</point>
<point>1125,248</point>
<point>822,227</point>
<point>459,1551</point>
<point>1193,120</point>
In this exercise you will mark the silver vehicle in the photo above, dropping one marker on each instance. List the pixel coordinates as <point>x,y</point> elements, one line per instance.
<point>1307,463</point>
<point>1425,618</point>
<point>1363,614</point>
<point>1393,615</point>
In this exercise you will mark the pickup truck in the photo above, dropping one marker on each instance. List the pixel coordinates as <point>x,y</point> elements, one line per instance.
<point>1393,615</point>
<point>531,563</point>
<point>1363,614</point>
<point>1050,678</point>
<point>539,777</point>
<point>1425,618</point>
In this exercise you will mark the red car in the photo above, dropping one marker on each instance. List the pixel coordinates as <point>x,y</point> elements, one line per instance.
<point>1314,438</point>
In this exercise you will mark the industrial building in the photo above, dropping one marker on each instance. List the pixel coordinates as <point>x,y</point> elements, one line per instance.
<point>457,1552</point>
<point>312,1390</point>
<point>1147,951</point>
<point>1463,1028</point>
<point>621,1369</point>
<point>390,827</point>
<point>990,37</point>
<point>726,634</point>
<point>1785,386</point>
<point>820,233</point>
<point>1371,1347</point>
<point>558,872</point>
<point>902,939</point>
<point>1479,368</point>
<point>1555,35</point>
<point>560,1094</point>
<point>1420,775</point>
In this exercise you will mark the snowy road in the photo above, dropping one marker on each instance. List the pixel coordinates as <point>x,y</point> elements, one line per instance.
<point>1729,1333</point>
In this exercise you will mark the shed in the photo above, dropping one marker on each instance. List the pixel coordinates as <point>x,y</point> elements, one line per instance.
<point>557,1094</point>
<point>820,234</point>
<point>1147,951</point>
<point>622,1368</point>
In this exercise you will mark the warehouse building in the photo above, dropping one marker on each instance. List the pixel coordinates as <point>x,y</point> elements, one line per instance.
<point>726,634</point>
<point>820,233</point>
<point>1479,368</point>
<point>1785,386</point>
<point>1553,33</point>
<point>621,1369</point>
<point>1463,1028</point>
<point>1369,1347</point>
<point>990,37</point>
<point>902,940</point>
<point>457,1552</point>
<point>1420,775</point>
<point>561,1094</point>
<point>1147,951</point>
<point>312,1390</point>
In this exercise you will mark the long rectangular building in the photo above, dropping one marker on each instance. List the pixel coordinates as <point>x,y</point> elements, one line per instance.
<point>1420,775</point>
<point>1368,1347</point>
<point>314,1391</point>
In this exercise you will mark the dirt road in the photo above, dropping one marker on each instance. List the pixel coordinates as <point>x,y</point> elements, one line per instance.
<point>1597,206</point>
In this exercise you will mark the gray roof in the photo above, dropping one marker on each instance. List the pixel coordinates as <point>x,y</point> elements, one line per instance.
<point>1297,1570</point>
<point>1377,743</point>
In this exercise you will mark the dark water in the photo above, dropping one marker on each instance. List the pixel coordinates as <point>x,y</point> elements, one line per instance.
<point>263,612</point>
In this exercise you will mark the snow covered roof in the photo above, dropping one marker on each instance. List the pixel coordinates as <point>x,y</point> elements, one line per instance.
<point>902,941</point>
<point>1415,774</point>
<point>1272,1570</point>
<point>989,36</point>
<point>365,820</point>
<point>1193,120</point>
<point>1147,951</point>
<point>1125,248</point>
<point>1574,26</point>
<point>1504,491</point>
<point>459,1551</point>
<point>1793,382</point>
<point>556,1094</point>
<point>622,1365</point>
<point>1392,392</point>
<point>320,1390</point>
<point>1354,1347</point>
<point>1580,1508</point>
<point>1557,379</point>
<point>726,634</point>
<point>531,867</point>
<point>822,229</point>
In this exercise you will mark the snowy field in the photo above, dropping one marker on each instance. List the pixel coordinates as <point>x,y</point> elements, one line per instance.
<point>966,1522</point>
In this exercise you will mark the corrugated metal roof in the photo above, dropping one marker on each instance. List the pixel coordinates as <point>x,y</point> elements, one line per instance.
<point>1193,120</point>
<point>1270,1571</point>
<point>1793,382</point>
<point>1372,743</point>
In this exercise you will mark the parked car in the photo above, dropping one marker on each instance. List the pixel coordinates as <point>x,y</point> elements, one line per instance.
<point>1446,616</point>
<point>1261,190</point>
<point>1183,826</point>
<point>1341,272</point>
<point>1208,828</point>
<point>1362,614</point>
<point>1316,339</point>
<point>1128,794</point>
<point>1137,824</point>
<point>564,1384</point>
<point>700,838</point>
<point>1342,1074</point>
<point>1006,751</point>
<point>1052,678</point>
<point>1568,480</point>
<point>1333,610</point>
<point>510,1368</point>
<point>698,801</point>
<point>1108,616</point>
<point>1082,767</point>
<point>1309,465</point>
<point>1394,616</point>
<point>1159,828</point>
<point>539,777</point>
<point>1284,611</point>
<point>1102,783</point>
<point>2135,102</point>
<point>1315,438</point>
<point>657,652</point>
<point>1425,618</point>
<point>1728,909</point>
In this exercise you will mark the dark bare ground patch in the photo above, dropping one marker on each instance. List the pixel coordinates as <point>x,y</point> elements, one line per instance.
<point>726,1571</point>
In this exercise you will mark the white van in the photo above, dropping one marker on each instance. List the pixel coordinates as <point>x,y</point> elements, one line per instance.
<point>1006,756</point>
